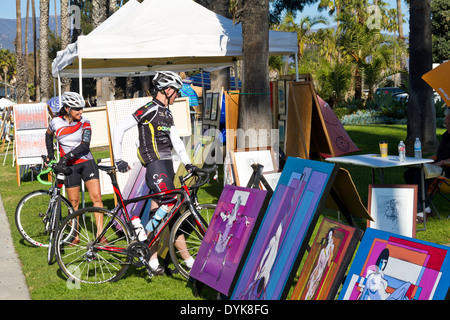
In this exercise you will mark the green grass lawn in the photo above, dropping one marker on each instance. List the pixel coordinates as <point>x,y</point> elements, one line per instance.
<point>48,283</point>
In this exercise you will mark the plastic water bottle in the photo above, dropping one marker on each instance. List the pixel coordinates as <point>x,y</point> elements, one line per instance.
<point>401,151</point>
<point>138,228</point>
<point>157,217</point>
<point>417,149</point>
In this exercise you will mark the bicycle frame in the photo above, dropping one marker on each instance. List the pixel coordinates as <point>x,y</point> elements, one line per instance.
<point>183,201</point>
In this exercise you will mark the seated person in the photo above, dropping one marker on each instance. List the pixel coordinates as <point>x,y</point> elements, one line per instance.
<point>412,175</point>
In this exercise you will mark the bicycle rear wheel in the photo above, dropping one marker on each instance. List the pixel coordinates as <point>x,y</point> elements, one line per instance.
<point>186,237</point>
<point>32,215</point>
<point>93,260</point>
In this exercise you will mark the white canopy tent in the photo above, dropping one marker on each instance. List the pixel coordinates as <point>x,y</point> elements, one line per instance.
<point>141,38</point>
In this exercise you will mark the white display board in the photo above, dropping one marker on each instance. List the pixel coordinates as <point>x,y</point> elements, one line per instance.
<point>30,125</point>
<point>99,125</point>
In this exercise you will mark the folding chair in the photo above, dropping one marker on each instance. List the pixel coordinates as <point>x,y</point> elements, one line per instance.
<point>440,186</point>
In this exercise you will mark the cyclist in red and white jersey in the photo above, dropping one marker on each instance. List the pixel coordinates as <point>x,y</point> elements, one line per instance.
<point>157,137</point>
<point>73,134</point>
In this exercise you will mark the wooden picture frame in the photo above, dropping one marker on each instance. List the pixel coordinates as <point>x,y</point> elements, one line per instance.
<point>393,208</point>
<point>388,266</point>
<point>281,97</point>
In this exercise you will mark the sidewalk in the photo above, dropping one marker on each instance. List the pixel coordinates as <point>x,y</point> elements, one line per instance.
<point>12,280</point>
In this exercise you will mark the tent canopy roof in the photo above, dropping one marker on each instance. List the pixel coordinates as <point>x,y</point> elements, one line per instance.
<point>177,35</point>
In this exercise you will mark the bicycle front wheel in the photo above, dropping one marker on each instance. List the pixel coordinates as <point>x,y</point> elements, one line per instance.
<point>55,220</point>
<point>87,259</point>
<point>33,214</point>
<point>186,237</point>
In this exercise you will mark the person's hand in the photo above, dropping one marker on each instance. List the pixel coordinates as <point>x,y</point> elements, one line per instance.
<point>63,162</point>
<point>191,168</point>
<point>122,166</point>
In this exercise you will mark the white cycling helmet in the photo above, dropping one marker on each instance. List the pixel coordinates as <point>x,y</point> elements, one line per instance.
<point>166,79</point>
<point>72,100</point>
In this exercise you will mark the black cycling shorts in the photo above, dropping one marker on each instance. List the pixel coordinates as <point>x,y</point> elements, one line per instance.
<point>159,177</point>
<point>86,170</point>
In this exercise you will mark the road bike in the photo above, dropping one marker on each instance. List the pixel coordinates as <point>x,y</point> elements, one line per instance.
<point>39,213</point>
<point>94,260</point>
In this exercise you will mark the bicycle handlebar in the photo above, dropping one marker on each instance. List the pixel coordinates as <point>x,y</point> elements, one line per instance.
<point>203,174</point>
<point>49,168</point>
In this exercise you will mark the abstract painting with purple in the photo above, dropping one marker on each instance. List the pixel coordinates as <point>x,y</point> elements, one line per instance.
<point>389,266</point>
<point>287,225</point>
<point>238,212</point>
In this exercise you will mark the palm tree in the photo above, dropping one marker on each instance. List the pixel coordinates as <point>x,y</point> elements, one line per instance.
<point>356,40</point>
<point>44,50</point>
<point>65,36</point>
<point>7,63</point>
<point>36,61</point>
<point>21,86</point>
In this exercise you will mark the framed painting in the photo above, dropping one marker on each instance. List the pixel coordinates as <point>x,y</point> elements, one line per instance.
<point>207,109</point>
<point>283,235</point>
<point>327,261</point>
<point>393,208</point>
<point>215,106</point>
<point>281,97</point>
<point>271,179</point>
<point>242,163</point>
<point>236,216</point>
<point>389,266</point>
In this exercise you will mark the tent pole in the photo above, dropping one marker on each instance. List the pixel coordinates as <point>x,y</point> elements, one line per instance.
<point>80,77</point>
<point>59,86</point>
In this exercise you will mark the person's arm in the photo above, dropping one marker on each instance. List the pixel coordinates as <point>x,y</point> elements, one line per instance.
<point>118,133</point>
<point>179,148</point>
<point>49,145</point>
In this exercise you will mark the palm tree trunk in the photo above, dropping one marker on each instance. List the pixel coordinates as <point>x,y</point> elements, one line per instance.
<point>44,50</point>
<point>21,86</point>
<point>421,118</point>
<point>65,37</point>
<point>255,113</point>
<point>36,61</point>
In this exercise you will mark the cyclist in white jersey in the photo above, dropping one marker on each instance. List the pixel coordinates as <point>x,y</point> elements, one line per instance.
<point>157,137</point>
<point>73,133</point>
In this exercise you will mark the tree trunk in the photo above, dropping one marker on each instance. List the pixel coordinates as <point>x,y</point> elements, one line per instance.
<point>21,85</point>
<point>65,38</point>
<point>255,114</point>
<point>421,120</point>
<point>36,61</point>
<point>44,50</point>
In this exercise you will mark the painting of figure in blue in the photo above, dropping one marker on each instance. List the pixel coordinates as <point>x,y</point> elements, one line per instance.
<point>288,222</point>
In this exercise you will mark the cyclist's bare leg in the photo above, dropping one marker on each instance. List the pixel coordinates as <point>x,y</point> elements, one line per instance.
<point>93,187</point>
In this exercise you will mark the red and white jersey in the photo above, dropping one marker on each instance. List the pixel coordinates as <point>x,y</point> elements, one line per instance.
<point>69,136</point>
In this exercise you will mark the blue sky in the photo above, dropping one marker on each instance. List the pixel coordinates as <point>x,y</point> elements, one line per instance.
<point>8,10</point>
